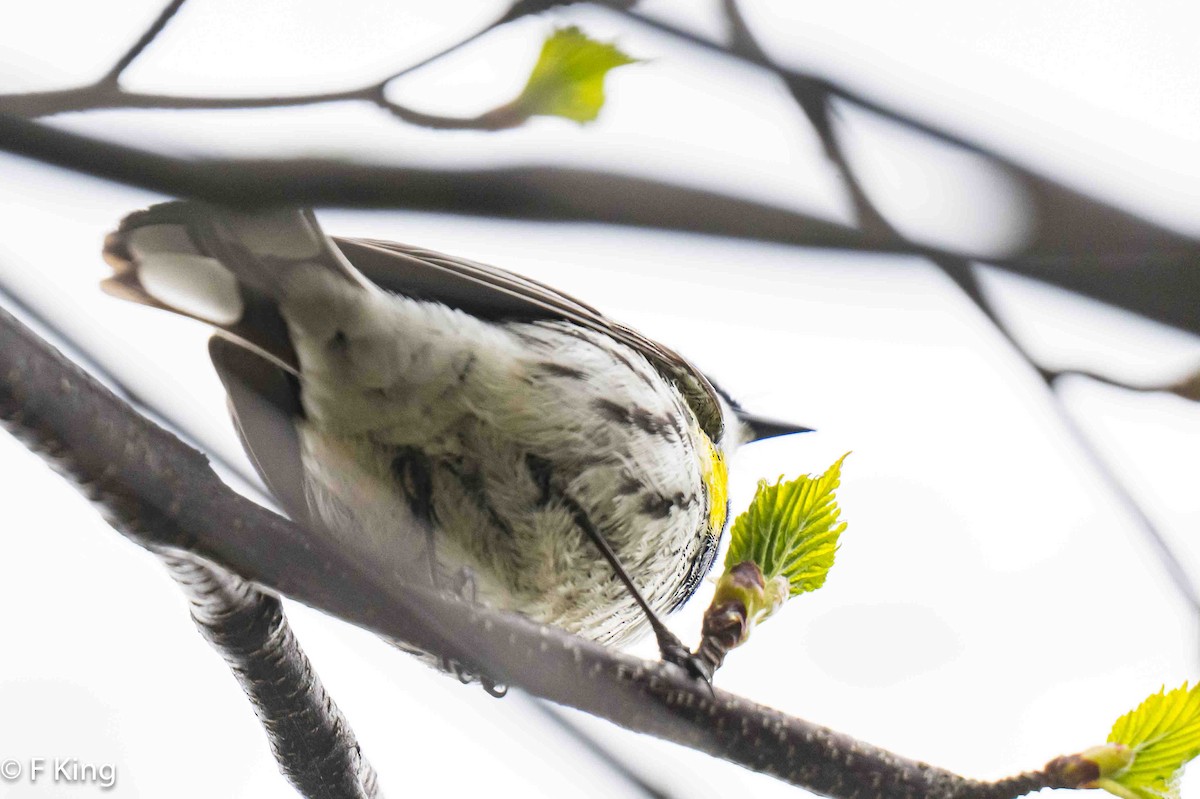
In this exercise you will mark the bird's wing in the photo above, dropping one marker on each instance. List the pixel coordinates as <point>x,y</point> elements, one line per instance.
<point>265,404</point>
<point>492,293</point>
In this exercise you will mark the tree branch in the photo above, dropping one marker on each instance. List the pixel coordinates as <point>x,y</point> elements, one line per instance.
<point>98,98</point>
<point>106,93</point>
<point>1095,250</point>
<point>113,76</point>
<point>162,494</point>
<point>757,57</point>
<point>813,100</point>
<point>1079,243</point>
<point>964,276</point>
<point>549,193</point>
<point>313,743</point>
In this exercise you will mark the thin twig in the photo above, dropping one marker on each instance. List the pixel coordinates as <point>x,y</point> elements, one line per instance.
<point>41,105</point>
<point>964,276</point>
<point>647,787</point>
<point>106,93</point>
<point>89,98</point>
<point>1186,388</point>
<point>791,76</point>
<point>518,10</point>
<point>813,100</point>
<point>113,76</point>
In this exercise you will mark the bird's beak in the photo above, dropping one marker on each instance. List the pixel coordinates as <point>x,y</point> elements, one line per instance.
<point>761,427</point>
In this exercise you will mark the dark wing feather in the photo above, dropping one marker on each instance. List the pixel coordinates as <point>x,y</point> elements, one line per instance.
<point>265,403</point>
<point>492,293</point>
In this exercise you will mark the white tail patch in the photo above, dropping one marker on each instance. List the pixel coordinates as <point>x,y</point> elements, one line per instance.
<point>171,271</point>
<point>158,239</point>
<point>194,284</point>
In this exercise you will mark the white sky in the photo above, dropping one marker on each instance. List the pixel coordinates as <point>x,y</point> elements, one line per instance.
<point>992,605</point>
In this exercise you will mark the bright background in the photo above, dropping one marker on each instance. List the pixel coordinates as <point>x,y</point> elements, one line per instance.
<point>993,604</point>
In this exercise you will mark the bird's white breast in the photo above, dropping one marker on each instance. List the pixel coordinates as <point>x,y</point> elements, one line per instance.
<point>406,399</point>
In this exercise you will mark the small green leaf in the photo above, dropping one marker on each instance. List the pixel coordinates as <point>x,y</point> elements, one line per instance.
<point>568,78</point>
<point>1164,734</point>
<point>791,529</point>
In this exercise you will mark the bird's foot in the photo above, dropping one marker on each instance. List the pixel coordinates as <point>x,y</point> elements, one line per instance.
<point>463,586</point>
<point>672,651</point>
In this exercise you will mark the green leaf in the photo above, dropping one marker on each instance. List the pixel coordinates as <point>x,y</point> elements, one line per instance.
<point>1164,734</point>
<point>791,529</point>
<point>568,78</point>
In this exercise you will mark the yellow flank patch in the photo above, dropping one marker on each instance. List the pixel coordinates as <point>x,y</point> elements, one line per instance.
<point>716,479</point>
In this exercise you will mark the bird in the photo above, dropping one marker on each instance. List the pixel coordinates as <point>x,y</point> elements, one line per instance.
<point>463,427</point>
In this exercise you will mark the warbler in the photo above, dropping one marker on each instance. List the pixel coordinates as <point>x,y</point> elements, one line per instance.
<point>462,426</point>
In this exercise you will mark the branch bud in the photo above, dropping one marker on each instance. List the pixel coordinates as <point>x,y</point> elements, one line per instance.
<point>1089,767</point>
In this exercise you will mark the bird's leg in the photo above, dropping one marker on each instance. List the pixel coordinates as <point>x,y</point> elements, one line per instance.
<point>464,585</point>
<point>670,647</point>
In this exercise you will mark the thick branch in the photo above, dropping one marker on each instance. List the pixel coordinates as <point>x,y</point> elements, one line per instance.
<point>314,745</point>
<point>162,493</point>
<point>551,193</point>
<point>1093,249</point>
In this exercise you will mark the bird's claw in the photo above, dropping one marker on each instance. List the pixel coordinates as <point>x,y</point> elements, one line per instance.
<point>675,653</point>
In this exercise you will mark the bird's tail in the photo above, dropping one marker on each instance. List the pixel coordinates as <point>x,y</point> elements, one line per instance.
<point>221,266</point>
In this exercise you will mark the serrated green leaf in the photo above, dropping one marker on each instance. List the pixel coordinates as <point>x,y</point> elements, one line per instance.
<point>1164,733</point>
<point>791,529</point>
<point>568,78</point>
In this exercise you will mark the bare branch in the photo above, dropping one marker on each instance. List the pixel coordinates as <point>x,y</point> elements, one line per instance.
<point>106,93</point>
<point>813,100</point>
<point>47,104</point>
<point>519,9</point>
<point>53,103</point>
<point>90,98</point>
<point>163,494</point>
<point>113,77</point>
<point>314,745</point>
<point>1187,388</point>
<point>817,83</point>
<point>963,274</point>
<point>559,194</point>
<point>1082,245</point>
